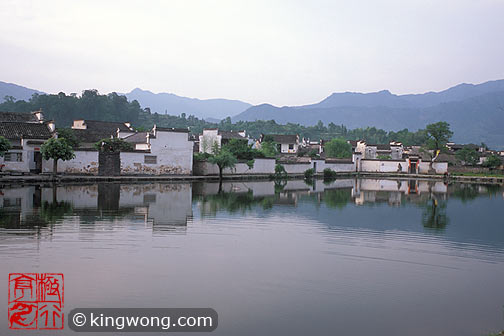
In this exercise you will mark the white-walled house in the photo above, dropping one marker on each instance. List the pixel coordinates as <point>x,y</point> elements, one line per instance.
<point>215,136</point>
<point>26,132</point>
<point>161,151</point>
<point>286,143</point>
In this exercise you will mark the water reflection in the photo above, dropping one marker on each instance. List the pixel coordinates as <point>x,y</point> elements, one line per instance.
<point>164,207</point>
<point>350,256</point>
<point>167,207</point>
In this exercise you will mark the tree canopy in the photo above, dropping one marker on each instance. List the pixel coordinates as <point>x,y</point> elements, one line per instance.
<point>338,148</point>
<point>438,134</point>
<point>493,161</point>
<point>223,158</point>
<point>57,149</point>
<point>468,155</point>
<point>113,145</point>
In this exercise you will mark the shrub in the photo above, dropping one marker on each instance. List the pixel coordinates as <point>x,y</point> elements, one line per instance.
<point>329,173</point>
<point>308,174</point>
<point>113,145</point>
<point>280,172</point>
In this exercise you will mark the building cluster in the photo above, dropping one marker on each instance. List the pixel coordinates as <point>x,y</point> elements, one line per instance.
<point>164,151</point>
<point>157,151</point>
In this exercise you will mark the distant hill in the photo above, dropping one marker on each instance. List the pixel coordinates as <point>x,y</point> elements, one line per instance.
<point>169,103</point>
<point>16,91</point>
<point>476,112</point>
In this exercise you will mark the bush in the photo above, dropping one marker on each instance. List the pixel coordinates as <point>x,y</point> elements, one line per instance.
<point>308,174</point>
<point>329,173</point>
<point>201,156</point>
<point>113,145</point>
<point>280,172</point>
<point>493,161</point>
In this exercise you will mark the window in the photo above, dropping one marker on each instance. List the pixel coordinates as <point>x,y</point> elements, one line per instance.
<point>13,157</point>
<point>150,159</point>
<point>150,198</point>
<point>291,146</point>
<point>11,202</point>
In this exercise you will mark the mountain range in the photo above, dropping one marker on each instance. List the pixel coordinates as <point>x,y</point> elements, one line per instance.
<point>16,91</point>
<point>475,112</point>
<point>169,103</point>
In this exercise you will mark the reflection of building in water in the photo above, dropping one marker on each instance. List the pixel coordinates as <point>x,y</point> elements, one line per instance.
<point>368,190</point>
<point>160,205</point>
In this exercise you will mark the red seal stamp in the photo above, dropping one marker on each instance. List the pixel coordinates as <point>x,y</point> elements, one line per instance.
<point>36,300</point>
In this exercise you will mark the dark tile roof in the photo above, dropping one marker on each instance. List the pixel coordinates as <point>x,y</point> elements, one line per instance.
<point>140,137</point>
<point>171,129</point>
<point>24,130</point>
<point>91,136</point>
<point>230,135</point>
<point>291,159</point>
<point>283,138</point>
<point>95,125</point>
<point>382,147</point>
<point>336,160</point>
<point>471,146</point>
<point>353,143</point>
<point>18,117</point>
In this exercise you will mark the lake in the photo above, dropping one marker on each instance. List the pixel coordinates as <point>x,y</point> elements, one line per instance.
<point>347,257</point>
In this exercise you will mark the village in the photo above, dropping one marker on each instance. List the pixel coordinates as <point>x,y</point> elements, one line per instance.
<point>168,152</point>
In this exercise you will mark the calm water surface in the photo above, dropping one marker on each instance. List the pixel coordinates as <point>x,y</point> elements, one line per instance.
<point>350,257</point>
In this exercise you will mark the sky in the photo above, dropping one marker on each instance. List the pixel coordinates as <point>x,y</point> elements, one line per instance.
<point>278,52</point>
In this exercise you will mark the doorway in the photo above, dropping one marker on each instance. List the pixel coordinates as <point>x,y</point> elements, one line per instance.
<point>37,158</point>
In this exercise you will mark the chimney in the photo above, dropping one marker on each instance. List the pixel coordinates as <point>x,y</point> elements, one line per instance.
<point>50,124</point>
<point>39,115</point>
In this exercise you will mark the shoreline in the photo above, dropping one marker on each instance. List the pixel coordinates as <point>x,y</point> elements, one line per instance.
<point>35,179</point>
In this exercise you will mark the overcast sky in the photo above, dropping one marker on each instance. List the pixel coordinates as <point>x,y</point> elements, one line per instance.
<point>281,52</point>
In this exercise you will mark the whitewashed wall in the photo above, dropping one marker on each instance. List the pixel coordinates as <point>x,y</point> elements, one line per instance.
<point>14,166</point>
<point>383,166</point>
<point>174,156</point>
<point>261,166</point>
<point>297,168</point>
<point>208,139</point>
<point>85,162</point>
<point>337,167</point>
<point>439,167</point>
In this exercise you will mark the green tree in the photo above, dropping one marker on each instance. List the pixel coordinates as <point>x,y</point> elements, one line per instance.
<point>241,149</point>
<point>269,149</point>
<point>338,148</point>
<point>4,146</point>
<point>57,149</point>
<point>438,135</point>
<point>280,172</point>
<point>113,145</point>
<point>69,135</point>
<point>468,155</point>
<point>223,158</point>
<point>493,161</point>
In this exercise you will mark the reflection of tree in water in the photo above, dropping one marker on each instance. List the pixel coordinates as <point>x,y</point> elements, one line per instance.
<point>434,215</point>
<point>234,202</point>
<point>279,185</point>
<point>466,192</point>
<point>337,198</point>
<point>51,212</point>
